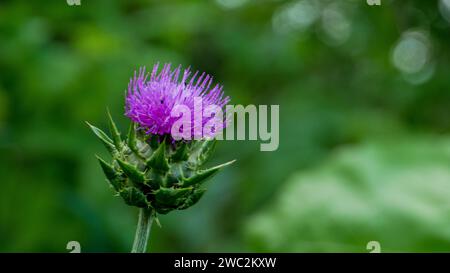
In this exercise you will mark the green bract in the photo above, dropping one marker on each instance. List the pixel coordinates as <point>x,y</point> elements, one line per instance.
<point>151,171</point>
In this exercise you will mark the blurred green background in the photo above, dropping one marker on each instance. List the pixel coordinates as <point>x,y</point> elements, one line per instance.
<point>364,101</point>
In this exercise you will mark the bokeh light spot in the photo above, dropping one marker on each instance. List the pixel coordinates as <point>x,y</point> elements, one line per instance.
<point>336,25</point>
<point>444,8</point>
<point>412,52</point>
<point>297,16</point>
<point>231,4</point>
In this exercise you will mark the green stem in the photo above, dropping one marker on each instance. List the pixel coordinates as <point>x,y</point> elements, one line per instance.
<point>142,231</point>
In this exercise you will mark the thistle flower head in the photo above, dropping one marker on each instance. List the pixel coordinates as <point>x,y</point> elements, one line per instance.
<point>151,98</point>
<point>149,170</point>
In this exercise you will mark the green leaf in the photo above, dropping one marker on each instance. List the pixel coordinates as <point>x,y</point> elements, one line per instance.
<point>203,175</point>
<point>154,141</point>
<point>134,197</point>
<point>400,185</point>
<point>207,150</point>
<point>175,175</point>
<point>158,160</point>
<point>203,151</point>
<point>114,132</point>
<point>155,179</point>
<point>171,196</point>
<point>131,141</point>
<point>136,176</point>
<point>112,175</point>
<point>162,210</point>
<point>181,153</point>
<point>193,198</point>
<point>103,137</point>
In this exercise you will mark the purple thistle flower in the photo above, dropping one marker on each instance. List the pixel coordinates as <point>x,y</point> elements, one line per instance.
<point>151,97</point>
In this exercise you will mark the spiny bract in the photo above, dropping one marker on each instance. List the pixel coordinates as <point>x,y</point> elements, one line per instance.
<point>153,171</point>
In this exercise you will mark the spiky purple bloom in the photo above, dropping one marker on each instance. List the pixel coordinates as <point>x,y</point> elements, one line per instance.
<point>151,97</point>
